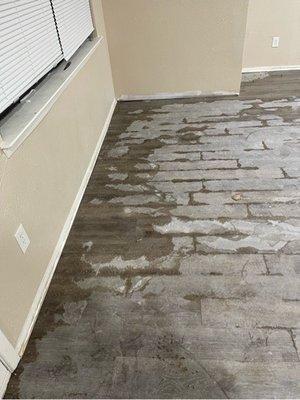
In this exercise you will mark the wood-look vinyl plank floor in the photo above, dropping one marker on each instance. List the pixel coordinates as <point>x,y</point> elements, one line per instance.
<point>180,277</point>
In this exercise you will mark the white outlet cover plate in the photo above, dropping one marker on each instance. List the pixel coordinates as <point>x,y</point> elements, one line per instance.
<point>22,238</point>
<point>275,41</point>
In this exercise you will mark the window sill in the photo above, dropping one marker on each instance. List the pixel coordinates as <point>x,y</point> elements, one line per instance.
<point>17,125</point>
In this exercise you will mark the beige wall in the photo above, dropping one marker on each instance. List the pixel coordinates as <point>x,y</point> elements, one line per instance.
<point>38,184</point>
<point>268,18</point>
<point>175,45</point>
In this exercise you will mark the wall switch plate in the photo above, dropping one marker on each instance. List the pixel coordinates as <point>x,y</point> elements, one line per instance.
<point>22,238</point>
<point>275,41</point>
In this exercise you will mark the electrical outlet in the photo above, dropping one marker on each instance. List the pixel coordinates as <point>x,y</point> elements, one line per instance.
<point>275,41</point>
<point>22,238</point>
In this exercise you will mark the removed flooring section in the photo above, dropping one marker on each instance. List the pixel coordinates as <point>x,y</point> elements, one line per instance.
<point>180,277</point>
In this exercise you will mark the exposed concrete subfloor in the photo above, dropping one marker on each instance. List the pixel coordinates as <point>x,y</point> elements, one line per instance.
<point>180,278</point>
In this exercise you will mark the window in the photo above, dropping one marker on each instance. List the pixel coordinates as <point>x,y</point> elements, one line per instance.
<point>35,35</point>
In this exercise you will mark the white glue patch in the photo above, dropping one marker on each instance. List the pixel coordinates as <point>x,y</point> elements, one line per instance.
<point>88,245</point>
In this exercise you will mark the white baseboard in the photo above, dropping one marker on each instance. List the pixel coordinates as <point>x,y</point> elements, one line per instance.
<point>271,68</point>
<point>42,290</point>
<point>4,379</point>
<point>8,355</point>
<point>183,95</point>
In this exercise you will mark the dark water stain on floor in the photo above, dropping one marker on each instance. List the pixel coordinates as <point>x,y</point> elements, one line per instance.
<point>180,277</point>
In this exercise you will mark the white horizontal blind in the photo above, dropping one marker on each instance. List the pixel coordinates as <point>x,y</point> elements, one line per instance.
<point>74,23</point>
<point>29,46</point>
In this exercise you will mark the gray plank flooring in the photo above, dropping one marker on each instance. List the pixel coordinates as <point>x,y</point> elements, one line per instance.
<point>180,277</point>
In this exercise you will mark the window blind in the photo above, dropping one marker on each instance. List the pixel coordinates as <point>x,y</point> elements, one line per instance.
<point>74,23</point>
<point>29,46</point>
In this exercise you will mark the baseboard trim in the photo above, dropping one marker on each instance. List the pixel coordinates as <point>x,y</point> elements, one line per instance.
<point>270,68</point>
<point>182,95</point>
<point>8,355</point>
<point>4,379</point>
<point>44,285</point>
